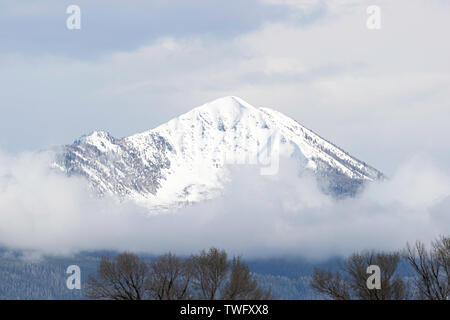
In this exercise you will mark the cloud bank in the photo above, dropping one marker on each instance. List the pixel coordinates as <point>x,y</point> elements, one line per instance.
<point>258,216</point>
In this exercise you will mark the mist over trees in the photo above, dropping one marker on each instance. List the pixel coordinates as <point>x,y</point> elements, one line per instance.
<point>208,275</point>
<point>430,281</point>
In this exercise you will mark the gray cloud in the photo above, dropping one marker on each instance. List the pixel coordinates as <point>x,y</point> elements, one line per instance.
<point>108,26</point>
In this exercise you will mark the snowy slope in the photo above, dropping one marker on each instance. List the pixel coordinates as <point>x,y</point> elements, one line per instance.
<point>184,160</point>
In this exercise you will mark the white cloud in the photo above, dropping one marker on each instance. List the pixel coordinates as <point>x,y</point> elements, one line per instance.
<point>258,216</point>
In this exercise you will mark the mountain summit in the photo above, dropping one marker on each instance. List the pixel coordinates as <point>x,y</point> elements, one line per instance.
<point>184,160</point>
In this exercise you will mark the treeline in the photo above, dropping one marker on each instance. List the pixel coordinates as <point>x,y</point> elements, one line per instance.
<point>209,275</point>
<point>430,279</point>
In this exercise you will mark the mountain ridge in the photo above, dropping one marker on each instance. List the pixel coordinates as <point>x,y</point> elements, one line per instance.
<point>184,160</point>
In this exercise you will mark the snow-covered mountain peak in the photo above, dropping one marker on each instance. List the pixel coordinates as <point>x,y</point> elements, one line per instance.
<point>94,137</point>
<point>225,112</point>
<point>226,104</point>
<point>102,140</point>
<point>185,160</point>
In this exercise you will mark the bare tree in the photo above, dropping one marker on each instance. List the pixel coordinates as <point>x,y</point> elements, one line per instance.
<point>393,287</point>
<point>432,267</point>
<point>120,279</point>
<point>210,272</point>
<point>330,284</point>
<point>241,285</point>
<point>170,278</point>
<point>351,281</point>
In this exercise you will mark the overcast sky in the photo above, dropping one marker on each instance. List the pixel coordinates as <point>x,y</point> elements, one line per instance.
<point>382,95</point>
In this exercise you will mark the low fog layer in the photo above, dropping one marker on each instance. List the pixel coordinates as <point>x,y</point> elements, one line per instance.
<point>258,216</point>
